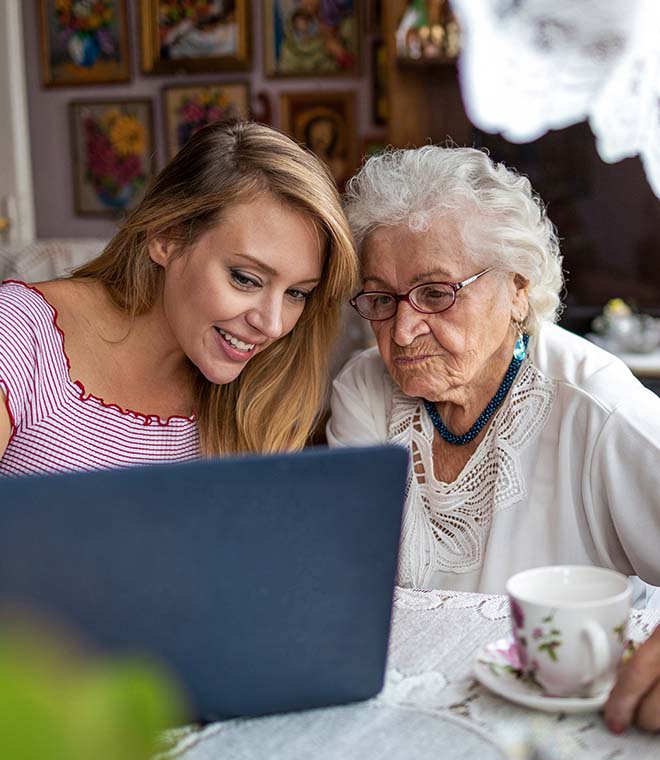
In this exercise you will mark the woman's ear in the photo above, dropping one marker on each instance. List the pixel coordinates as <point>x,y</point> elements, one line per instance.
<point>160,251</point>
<point>520,303</point>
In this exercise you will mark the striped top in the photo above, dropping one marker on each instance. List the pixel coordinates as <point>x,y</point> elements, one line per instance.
<point>56,426</point>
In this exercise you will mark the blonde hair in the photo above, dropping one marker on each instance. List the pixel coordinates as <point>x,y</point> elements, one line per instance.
<point>275,402</point>
<point>503,223</point>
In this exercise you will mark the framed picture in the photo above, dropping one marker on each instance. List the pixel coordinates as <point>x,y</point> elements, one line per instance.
<point>325,123</point>
<point>311,39</point>
<point>189,108</point>
<point>83,43</point>
<point>112,146</point>
<point>195,35</point>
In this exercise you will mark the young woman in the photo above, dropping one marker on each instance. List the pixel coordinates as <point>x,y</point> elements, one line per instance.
<point>202,329</point>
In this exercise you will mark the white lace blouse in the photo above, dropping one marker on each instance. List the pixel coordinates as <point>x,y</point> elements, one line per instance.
<point>567,473</point>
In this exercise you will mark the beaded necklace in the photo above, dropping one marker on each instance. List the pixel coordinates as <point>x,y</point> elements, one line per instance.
<point>482,419</point>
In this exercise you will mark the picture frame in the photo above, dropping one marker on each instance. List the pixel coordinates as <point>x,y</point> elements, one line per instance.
<point>196,39</point>
<point>112,147</point>
<point>325,123</point>
<point>80,47</point>
<point>187,108</point>
<point>299,42</point>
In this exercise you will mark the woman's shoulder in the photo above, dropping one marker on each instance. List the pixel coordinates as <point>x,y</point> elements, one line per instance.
<point>365,368</point>
<point>39,297</point>
<point>361,400</point>
<point>67,295</point>
<point>29,338</point>
<point>31,314</point>
<point>24,304</point>
<point>577,364</point>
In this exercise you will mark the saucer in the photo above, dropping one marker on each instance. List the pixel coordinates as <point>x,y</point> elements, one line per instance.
<point>496,667</point>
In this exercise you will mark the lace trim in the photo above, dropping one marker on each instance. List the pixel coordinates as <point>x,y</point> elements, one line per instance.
<point>446,525</point>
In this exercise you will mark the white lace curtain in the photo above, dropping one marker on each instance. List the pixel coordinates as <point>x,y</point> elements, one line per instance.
<point>528,66</point>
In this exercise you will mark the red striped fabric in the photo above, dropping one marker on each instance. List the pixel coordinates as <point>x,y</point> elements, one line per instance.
<point>56,425</point>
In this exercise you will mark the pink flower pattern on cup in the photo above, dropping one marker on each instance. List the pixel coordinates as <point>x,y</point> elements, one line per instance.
<point>568,623</point>
<point>504,656</point>
<point>549,640</point>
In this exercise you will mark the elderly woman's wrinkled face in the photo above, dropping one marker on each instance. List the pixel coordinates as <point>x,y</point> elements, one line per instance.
<point>438,356</point>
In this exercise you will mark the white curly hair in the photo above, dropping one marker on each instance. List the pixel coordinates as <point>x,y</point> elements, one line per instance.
<point>502,222</point>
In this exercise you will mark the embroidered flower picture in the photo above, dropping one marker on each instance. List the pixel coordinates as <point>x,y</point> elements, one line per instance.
<point>84,41</point>
<point>113,147</point>
<point>189,108</point>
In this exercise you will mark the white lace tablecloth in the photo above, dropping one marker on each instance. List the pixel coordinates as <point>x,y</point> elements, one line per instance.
<point>431,706</point>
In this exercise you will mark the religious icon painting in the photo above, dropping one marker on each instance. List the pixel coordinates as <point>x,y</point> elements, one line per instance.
<point>325,123</point>
<point>195,35</point>
<point>83,42</point>
<point>112,145</point>
<point>304,38</point>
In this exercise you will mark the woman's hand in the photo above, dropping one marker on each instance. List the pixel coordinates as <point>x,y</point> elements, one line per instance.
<point>635,698</point>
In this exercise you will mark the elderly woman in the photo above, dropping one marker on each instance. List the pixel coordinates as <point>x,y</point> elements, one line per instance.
<point>529,445</point>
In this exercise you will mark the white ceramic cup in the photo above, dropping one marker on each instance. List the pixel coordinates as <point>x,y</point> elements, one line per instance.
<point>569,623</point>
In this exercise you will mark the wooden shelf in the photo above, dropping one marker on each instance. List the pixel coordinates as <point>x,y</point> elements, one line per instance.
<point>425,63</point>
<point>424,98</point>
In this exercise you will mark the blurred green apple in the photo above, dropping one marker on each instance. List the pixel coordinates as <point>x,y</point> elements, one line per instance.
<point>58,703</point>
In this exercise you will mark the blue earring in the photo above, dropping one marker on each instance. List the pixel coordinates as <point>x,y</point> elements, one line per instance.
<point>519,348</point>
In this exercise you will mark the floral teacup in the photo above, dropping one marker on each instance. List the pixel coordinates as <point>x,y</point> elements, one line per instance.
<point>569,623</point>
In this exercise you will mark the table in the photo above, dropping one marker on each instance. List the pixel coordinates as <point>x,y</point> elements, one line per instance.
<point>431,705</point>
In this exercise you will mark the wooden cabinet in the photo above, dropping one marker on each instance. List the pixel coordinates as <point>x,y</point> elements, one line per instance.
<point>424,97</point>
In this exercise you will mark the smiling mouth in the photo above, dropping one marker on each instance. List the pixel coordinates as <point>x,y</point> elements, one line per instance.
<point>237,343</point>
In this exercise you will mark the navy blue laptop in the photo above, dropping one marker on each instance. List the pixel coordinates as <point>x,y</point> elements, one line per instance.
<point>264,583</point>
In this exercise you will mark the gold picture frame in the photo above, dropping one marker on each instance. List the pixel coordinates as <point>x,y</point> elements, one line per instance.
<point>300,42</point>
<point>206,41</point>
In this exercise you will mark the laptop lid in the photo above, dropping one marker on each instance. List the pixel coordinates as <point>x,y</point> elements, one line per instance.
<point>264,583</point>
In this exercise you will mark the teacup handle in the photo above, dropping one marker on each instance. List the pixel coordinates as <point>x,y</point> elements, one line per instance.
<point>600,653</point>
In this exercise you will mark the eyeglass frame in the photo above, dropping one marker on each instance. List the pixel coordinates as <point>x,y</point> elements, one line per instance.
<point>455,287</point>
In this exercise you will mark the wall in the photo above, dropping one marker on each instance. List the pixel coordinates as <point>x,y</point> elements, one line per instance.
<point>49,123</point>
<point>611,232</point>
<point>607,217</point>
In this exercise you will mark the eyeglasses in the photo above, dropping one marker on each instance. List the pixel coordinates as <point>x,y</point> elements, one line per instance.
<point>428,298</point>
